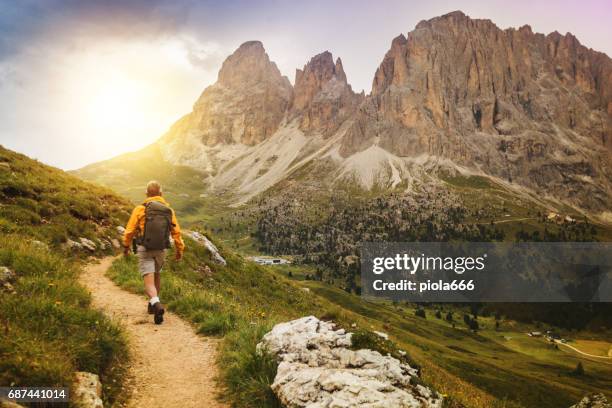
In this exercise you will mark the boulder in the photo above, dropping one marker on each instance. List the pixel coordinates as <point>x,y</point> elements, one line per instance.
<point>88,244</point>
<point>120,230</point>
<point>317,368</point>
<point>70,244</point>
<point>6,275</point>
<point>593,401</point>
<point>86,390</point>
<point>115,243</point>
<point>40,245</point>
<point>202,240</point>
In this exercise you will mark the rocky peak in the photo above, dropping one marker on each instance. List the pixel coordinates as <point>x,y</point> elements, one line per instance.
<point>249,64</point>
<point>323,99</point>
<point>246,104</point>
<point>310,80</point>
<point>465,90</point>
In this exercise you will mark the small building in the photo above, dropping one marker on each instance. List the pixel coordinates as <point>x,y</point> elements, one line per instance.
<point>270,261</point>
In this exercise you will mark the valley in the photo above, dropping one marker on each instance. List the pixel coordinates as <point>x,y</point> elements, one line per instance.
<point>469,133</point>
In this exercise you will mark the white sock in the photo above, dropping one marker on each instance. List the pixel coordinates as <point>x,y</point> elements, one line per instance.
<point>154,300</point>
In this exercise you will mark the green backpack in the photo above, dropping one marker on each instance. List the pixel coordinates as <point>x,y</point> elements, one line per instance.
<point>158,223</point>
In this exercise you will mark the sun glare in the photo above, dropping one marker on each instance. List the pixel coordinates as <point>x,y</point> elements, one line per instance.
<point>117,98</point>
<point>117,105</point>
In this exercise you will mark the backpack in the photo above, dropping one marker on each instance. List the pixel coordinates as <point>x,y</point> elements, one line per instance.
<point>158,222</point>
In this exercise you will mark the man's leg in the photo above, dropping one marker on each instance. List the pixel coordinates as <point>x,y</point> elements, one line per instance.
<point>159,258</point>
<point>150,285</point>
<point>157,278</point>
<point>147,265</point>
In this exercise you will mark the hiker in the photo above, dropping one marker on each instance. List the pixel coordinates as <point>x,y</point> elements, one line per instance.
<point>149,230</point>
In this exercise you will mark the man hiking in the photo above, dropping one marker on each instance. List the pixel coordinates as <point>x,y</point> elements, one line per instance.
<point>149,229</point>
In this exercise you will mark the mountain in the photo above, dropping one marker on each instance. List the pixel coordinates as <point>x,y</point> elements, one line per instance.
<point>456,96</point>
<point>243,108</point>
<point>526,108</point>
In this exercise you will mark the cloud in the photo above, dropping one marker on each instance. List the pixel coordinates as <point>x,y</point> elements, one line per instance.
<point>27,25</point>
<point>207,56</point>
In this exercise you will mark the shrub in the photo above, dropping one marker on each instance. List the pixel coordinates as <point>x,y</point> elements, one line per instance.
<point>579,370</point>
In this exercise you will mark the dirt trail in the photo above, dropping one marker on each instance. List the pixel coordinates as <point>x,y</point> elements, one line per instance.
<point>171,365</point>
<point>582,352</point>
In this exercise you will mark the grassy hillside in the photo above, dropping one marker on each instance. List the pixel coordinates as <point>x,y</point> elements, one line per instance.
<point>184,187</point>
<point>492,368</point>
<point>51,205</point>
<point>48,329</point>
<point>320,227</point>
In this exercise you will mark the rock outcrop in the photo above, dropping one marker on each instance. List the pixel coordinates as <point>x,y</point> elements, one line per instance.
<point>513,104</point>
<point>245,105</point>
<point>86,390</point>
<point>212,248</point>
<point>318,369</point>
<point>593,401</point>
<point>323,99</point>
<point>7,278</point>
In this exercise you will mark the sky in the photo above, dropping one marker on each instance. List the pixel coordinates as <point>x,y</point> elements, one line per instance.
<point>83,81</point>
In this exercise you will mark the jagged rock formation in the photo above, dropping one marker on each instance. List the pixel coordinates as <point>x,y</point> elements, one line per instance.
<point>524,107</point>
<point>248,101</point>
<point>531,111</point>
<point>317,369</point>
<point>245,106</point>
<point>323,99</point>
<point>593,401</point>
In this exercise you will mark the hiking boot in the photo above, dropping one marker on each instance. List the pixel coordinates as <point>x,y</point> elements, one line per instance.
<point>150,309</point>
<point>158,311</point>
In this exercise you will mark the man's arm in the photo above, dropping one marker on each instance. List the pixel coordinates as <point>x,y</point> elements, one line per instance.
<point>132,227</point>
<point>176,235</point>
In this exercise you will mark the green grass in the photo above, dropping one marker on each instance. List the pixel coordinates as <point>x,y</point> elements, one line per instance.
<point>522,369</point>
<point>240,302</point>
<point>48,329</point>
<point>237,302</point>
<point>52,206</point>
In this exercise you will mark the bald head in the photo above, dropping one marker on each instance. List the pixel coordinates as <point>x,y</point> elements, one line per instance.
<point>153,189</point>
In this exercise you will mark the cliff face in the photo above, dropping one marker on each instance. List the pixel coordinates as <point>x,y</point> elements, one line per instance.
<point>525,107</point>
<point>323,99</point>
<point>246,104</point>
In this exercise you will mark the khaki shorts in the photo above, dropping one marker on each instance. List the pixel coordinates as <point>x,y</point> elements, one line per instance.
<point>150,261</point>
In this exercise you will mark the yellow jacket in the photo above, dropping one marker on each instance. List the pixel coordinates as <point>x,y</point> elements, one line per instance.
<point>136,224</point>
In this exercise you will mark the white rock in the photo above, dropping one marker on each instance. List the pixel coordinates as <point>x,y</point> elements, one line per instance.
<point>73,244</point>
<point>317,369</point>
<point>6,275</point>
<point>87,390</point>
<point>120,230</point>
<point>202,240</point>
<point>40,245</point>
<point>88,244</point>
<point>593,401</point>
<point>382,335</point>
